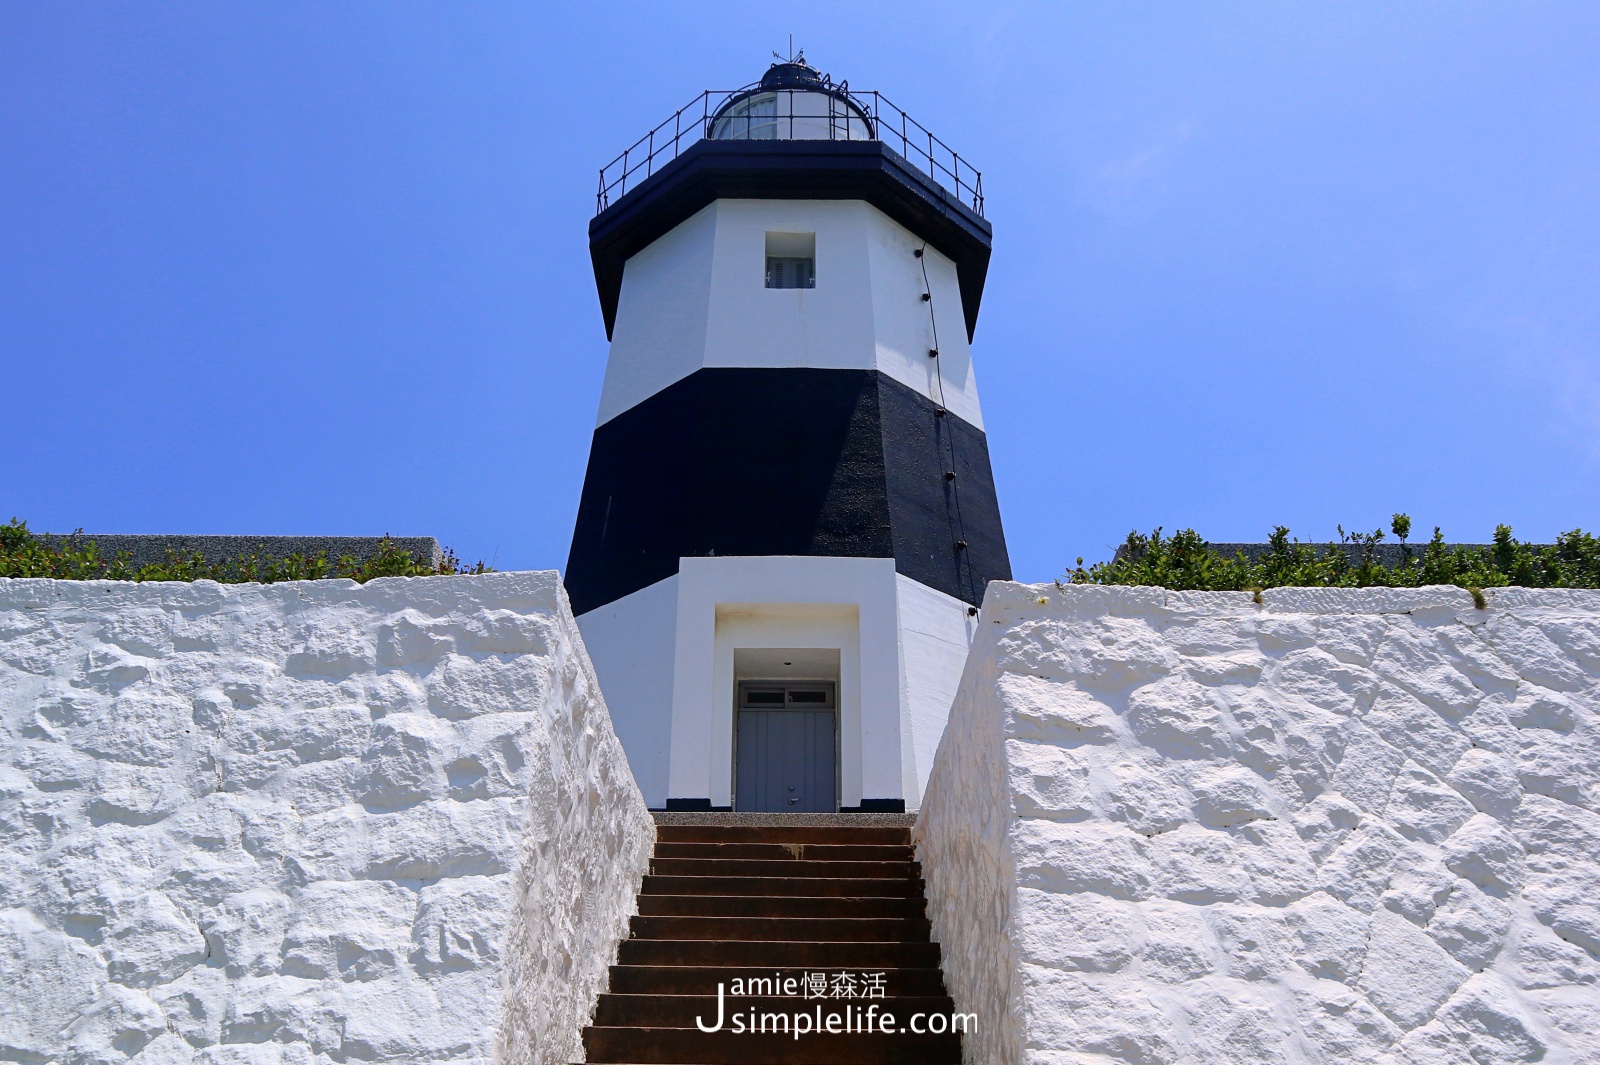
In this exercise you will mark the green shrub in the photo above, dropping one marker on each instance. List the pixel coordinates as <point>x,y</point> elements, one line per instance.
<point>23,555</point>
<point>1184,561</point>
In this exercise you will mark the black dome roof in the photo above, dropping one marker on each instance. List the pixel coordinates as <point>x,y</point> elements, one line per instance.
<point>797,74</point>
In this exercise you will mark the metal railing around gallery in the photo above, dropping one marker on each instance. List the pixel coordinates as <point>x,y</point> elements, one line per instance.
<point>826,112</point>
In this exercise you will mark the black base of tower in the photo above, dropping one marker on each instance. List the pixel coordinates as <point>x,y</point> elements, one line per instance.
<point>786,462</point>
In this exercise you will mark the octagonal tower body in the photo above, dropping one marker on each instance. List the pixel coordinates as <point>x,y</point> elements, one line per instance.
<point>789,516</point>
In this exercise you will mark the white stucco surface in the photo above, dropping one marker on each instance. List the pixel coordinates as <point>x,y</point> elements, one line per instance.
<point>306,822</point>
<point>632,642</point>
<point>935,634</point>
<point>1337,826</point>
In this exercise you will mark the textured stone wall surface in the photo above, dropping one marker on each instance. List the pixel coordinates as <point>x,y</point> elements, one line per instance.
<point>306,822</point>
<point>1334,826</point>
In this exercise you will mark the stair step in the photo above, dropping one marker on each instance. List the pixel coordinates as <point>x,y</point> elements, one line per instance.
<point>777,954</point>
<point>680,1011</point>
<point>785,929</point>
<point>775,834</point>
<point>787,867</point>
<point>781,885</point>
<point>778,906</point>
<point>700,980</point>
<point>848,852</point>
<point>649,1046</point>
<point>774,902</point>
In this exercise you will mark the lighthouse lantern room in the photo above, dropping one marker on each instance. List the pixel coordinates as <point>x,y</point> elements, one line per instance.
<point>788,517</point>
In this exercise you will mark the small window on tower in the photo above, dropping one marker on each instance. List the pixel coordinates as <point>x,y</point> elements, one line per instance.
<point>791,260</point>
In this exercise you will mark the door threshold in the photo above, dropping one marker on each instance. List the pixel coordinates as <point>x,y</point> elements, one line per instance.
<point>857,820</point>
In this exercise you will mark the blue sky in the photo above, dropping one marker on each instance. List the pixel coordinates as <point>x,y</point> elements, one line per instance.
<point>316,268</point>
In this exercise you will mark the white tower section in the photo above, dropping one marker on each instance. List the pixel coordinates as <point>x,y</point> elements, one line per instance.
<point>687,302</point>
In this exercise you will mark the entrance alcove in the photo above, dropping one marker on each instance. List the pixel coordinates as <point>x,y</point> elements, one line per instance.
<point>800,720</point>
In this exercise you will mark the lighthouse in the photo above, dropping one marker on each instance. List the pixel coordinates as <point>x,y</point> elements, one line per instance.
<point>788,517</point>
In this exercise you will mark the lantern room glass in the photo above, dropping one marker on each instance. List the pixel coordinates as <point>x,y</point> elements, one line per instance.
<point>786,115</point>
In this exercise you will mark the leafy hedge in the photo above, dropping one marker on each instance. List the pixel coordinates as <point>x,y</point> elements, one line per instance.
<point>22,555</point>
<point>1184,561</point>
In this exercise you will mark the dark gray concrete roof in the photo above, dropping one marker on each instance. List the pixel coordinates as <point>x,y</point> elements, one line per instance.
<point>146,549</point>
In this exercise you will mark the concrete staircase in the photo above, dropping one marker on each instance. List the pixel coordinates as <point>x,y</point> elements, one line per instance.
<point>741,896</point>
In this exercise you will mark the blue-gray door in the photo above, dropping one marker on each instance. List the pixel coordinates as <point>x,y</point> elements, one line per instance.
<point>786,761</point>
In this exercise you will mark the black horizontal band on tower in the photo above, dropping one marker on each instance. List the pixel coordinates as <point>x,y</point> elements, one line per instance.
<point>785,461</point>
<point>789,170</point>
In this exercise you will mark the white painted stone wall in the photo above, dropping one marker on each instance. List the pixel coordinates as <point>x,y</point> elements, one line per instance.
<point>1337,826</point>
<point>308,822</point>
